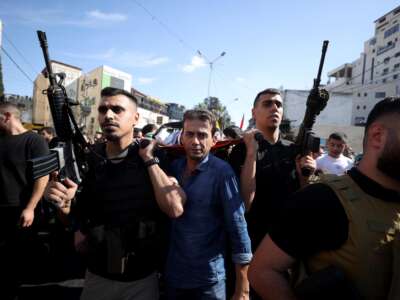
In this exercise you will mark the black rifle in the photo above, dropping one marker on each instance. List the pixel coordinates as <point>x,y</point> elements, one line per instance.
<point>306,141</point>
<point>68,156</point>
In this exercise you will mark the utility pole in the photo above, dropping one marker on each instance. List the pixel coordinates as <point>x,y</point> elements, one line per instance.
<point>211,64</point>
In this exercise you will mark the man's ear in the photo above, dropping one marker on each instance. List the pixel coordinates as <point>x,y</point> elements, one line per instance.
<point>136,117</point>
<point>253,114</point>
<point>376,135</point>
<point>214,140</point>
<point>8,115</point>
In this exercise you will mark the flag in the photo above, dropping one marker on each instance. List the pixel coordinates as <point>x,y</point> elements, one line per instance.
<point>241,122</point>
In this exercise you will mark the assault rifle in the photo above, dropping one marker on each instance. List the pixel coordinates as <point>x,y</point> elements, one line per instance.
<point>306,141</point>
<point>68,156</point>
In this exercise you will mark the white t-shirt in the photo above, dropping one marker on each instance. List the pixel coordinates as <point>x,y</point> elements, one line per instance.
<point>337,166</point>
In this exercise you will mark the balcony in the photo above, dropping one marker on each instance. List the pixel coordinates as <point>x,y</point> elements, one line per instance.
<point>382,50</point>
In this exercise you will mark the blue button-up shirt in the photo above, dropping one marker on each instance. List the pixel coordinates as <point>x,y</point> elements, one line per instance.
<point>214,209</point>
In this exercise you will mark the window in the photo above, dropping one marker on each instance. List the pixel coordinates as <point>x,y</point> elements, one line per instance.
<point>365,94</point>
<point>386,60</point>
<point>395,76</point>
<point>359,95</point>
<point>380,95</point>
<point>373,50</point>
<point>384,80</point>
<point>364,107</point>
<point>385,71</point>
<point>372,41</point>
<point>382,20</point>
<point>397,54</point>
<point>358,107</point>
<point>116,83</point>
<point>396,66</point>
<point>391,31</point>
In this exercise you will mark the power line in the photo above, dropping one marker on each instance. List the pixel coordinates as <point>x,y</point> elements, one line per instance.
<point>20,54</point>
<point>166,28</point>
<point>175,35</point>
<point>15,63</point>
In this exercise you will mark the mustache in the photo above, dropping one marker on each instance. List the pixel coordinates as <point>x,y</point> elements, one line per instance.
<point>110,124</point>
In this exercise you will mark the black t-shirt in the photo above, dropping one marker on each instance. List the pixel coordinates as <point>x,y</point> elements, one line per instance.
<point>119,197</point>
<point>275,181</point>
<point>15,182</point>
<point>314,219</point>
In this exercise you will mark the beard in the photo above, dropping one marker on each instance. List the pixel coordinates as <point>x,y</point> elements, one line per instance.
<point>389,161</point>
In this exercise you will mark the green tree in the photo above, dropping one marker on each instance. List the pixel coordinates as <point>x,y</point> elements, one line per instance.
<point>220,112</point>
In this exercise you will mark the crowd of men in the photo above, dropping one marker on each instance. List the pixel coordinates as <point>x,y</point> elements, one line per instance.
<point>249,226</point>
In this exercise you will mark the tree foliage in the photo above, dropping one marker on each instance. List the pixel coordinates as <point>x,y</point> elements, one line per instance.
<point>220,112</point>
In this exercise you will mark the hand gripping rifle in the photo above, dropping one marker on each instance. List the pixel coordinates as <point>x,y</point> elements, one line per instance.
<point>68,156</point>
<point>306,142</point>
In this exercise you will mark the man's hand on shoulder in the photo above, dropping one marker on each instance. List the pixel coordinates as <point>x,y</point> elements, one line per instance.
<point>146,152</point>
<point>250,142</point>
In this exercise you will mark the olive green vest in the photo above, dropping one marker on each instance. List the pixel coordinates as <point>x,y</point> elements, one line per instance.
<point>395,286</point>
<point>367,255</point>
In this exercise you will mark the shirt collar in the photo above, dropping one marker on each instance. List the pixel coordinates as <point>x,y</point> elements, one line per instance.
<point>202,166</point>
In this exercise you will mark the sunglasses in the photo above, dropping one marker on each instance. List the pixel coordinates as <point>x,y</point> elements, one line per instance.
<point>114,108</point>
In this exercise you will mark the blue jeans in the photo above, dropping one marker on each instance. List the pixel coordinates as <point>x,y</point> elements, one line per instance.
<point>214,291</point>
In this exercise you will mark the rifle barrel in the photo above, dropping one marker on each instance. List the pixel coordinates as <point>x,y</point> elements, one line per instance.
<point>43,44</point>
<point>321,64</point>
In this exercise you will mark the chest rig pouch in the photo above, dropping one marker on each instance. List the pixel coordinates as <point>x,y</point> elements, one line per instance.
<point>122,223</point>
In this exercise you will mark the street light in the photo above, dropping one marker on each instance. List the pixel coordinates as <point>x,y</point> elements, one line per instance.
<point>211,64</point>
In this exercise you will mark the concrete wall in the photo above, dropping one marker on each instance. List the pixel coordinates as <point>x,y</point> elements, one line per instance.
<point>149,117</point>
<point>337,112</point>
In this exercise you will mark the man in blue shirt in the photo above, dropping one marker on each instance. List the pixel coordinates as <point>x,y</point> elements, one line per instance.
<point>214,209</point>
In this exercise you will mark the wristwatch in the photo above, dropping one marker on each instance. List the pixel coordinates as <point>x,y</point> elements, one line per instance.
<point>151,162</point>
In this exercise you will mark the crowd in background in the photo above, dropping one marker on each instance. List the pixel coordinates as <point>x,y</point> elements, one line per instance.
<point>147,227</point>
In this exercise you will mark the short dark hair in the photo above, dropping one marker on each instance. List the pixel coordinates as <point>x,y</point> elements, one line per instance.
<point>270,91</point>
<point>387,106</point>
<point>202,115</point>
<point>110,91</point>
<point>148,128</point>
<point>340,136</point>
<point>11,108</point>
<point>49,130</point>
<point>233,132</point>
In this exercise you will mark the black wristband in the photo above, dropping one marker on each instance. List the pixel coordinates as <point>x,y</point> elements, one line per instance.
<point>151,162</point>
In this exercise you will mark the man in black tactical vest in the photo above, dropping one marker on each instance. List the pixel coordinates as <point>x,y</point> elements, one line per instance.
<point>345,224</point>
<point>119,206</point>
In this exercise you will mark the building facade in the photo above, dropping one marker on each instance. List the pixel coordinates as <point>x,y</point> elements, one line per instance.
<point>337,111</point>
<point>40,105</point>
<point>85,89</point>
<point>376,73</point>
<point>151,110</point>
